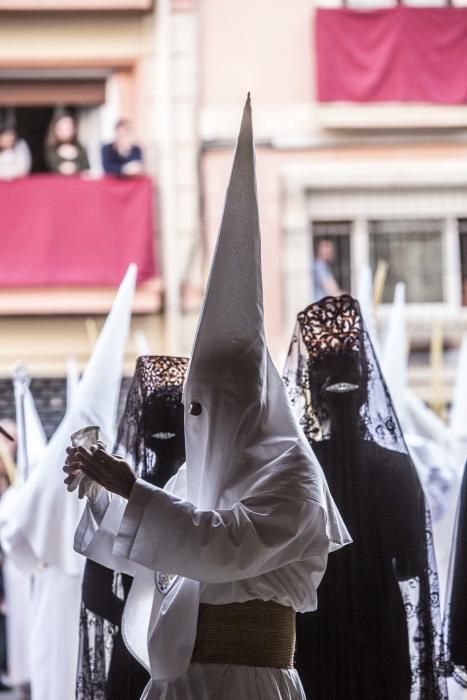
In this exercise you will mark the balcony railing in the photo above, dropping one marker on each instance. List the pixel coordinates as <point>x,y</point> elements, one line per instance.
<point>73,232</point>
<point>402,54</point>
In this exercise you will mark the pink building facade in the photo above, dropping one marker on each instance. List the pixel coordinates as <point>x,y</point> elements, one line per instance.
<point>385,179</point>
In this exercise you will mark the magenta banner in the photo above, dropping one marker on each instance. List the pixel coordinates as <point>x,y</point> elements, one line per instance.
<point>68,231</point>
<point>402,54</point>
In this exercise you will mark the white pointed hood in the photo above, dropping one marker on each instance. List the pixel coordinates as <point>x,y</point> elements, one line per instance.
<point>47,516</point>
<point>246,440</point>
<point>31,437</point>
<point>72,380</point>
<point>365,299</point>
<point>228,367</point>
<point>142,344</point>
<point>394,352</point>
<point>241,437</point>
<point>31,442</point>
<point>458,416</point>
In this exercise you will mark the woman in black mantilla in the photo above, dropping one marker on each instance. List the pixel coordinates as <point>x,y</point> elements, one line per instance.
<point>376,633</point>
<point>151,436</point>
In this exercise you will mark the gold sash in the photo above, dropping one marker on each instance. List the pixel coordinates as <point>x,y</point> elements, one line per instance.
<point>255,633</point>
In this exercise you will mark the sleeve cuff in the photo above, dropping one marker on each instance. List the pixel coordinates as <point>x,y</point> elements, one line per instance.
<point>132,517</point>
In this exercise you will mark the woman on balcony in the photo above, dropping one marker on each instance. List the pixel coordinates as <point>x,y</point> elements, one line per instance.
<point>63,152</point>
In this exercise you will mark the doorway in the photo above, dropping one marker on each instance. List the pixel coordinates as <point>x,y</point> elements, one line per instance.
<point>32,124</point>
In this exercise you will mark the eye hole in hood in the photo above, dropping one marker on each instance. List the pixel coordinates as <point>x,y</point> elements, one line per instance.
<point>195,408</point>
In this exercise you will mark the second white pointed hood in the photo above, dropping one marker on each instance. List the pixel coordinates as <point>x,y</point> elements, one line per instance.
<point>47,516</point>
<point>458,415</point>
<point>394,355</point>
<point>31,437</point>
<point>365,295</point>
<point>72,380</point>
<point>31,443</point>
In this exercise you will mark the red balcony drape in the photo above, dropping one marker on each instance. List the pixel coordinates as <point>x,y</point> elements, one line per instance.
<point>402,54</point>
<point>69,231</point>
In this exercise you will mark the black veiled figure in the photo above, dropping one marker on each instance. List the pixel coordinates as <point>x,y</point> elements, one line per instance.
<point>376,633</point>
<point>151,436</point>
<point>456,607</point>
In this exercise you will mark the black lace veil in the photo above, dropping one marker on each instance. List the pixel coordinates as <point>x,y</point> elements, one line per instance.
<point>377,630</point>
<point>455,620</point>
<point>151,432</point>
<point>151,436</point>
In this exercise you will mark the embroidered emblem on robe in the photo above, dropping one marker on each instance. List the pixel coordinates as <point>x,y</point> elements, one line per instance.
<point>164,582</point>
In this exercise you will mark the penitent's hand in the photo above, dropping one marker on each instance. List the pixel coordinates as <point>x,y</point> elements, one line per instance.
<point>108,470</point>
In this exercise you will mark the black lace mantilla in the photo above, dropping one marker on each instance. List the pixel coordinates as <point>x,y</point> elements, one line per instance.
<point>331,328</point>
<point>153,418</point>
<point>383,589</point>
<point>96,645</point>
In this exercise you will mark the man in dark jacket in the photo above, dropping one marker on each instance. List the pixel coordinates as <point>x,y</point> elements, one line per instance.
<point>122,158</point>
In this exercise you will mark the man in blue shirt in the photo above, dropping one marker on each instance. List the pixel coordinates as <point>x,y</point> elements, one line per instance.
<point>123,157</point>
<point>323,281</point>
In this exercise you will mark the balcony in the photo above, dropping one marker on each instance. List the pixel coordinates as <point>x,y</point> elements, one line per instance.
<point>66,242</point>
<point>398,67</point>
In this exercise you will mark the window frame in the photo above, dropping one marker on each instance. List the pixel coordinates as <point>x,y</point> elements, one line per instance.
<point>439,227</point>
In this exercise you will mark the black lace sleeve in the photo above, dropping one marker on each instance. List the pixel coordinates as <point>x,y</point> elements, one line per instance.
<point>403,511</point>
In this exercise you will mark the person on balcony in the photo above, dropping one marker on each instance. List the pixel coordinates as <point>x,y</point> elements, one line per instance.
<point>122,157</point>
<point>64,154</point>
<point>15,156</point>
<point>324,282</point>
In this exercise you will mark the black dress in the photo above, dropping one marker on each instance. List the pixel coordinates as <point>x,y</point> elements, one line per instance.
<point>351,646</point>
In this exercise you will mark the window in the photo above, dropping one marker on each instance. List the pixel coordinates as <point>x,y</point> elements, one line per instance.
<point>32,98</point>
<point>339,233</point>
<point>413,252</point>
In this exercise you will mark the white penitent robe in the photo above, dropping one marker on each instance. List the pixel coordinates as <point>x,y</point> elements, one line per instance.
<point>17,597</point>
<point>54,606</point>
<point>54,641</point>
<point>267,547</point>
